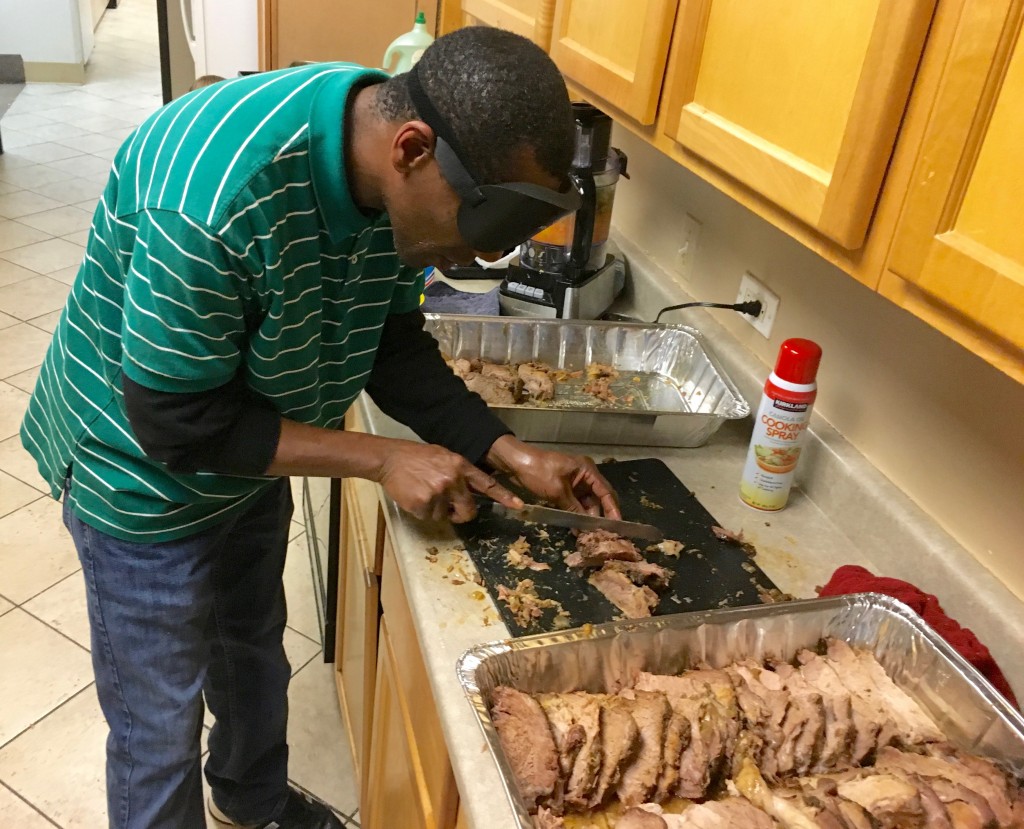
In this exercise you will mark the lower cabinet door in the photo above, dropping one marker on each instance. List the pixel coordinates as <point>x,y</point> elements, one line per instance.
<point>357,650</point>
<point>393,794</point>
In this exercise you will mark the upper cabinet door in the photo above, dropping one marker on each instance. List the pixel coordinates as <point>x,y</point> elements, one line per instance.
<point>958,257</point>
<point>616,49</point>
<point>800,101</point>
<point>529,18</point>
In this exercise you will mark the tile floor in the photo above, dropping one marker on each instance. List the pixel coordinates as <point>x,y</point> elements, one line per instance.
<point>59,141</point>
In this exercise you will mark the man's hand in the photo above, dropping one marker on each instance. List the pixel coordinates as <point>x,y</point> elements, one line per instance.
<point>432,483</point>
<point>567,481</point>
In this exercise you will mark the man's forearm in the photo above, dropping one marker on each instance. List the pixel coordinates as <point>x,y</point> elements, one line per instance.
<point>310,450</point>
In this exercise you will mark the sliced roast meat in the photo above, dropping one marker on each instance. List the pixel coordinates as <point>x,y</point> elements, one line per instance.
<point>651,713</point>
<point>964,774</point>
<point>840,730</point>
<point>634,602</point>
<point>595,547</point>
<point>710,729</point>
<point>620,738</point>
<point>568,715</point>
<point>862,674</point>
<point>528,743</point>
<point>740,812</point>
<point>763,708</point>
<point>807,708</point>
<point>891,800</point>
<point>787,809</point>
<point>868,720</point>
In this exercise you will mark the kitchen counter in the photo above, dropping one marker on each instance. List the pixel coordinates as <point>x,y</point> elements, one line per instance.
<point>798,548</point>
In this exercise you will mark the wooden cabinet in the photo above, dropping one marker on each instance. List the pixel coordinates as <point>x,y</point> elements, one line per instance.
<point>405,777</point>
<point>617,49</point>
<point>799,101</point>
<point>358,603</point>
<point>394,792</point>
<point>529,18</point>
<point>409,780</point>
<point>323,30</point>
<point>958,257</point>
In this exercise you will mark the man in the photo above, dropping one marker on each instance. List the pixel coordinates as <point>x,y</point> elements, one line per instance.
<point>253,264</point>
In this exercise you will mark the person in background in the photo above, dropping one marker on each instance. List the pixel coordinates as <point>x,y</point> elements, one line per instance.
<point>253,265</point>
<point>204,81</point>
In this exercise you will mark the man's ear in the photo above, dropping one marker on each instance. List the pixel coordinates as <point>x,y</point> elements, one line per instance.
<point>412,147</point>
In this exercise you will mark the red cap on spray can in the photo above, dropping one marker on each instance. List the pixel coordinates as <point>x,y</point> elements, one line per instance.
<point>798,361</point>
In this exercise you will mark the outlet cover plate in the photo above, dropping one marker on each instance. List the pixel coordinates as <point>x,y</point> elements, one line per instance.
<point>752,288</point>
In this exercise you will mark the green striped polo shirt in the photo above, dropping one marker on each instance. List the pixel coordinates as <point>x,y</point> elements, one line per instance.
<point>226,241</point>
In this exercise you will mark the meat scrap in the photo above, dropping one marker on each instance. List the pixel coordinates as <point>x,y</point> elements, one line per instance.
<point>530,383</point>
<point>667,547</point>
<point>625,577</point>
<point>634,602</point>
<point>526,606</point>
<point>595,547</point>
<point>537,384</point>
<point>518,556</point>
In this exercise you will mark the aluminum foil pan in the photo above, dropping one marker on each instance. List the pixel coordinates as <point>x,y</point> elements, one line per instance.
<point>605,658</point>
<point>672,391</point>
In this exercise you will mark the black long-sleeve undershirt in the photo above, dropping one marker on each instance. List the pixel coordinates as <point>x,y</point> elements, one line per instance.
<point>233,430</point>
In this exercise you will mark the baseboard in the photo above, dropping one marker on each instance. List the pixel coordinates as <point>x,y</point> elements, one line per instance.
<point>39,72</point>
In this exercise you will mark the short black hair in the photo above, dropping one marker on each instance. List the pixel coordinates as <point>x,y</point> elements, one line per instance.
<point>499,93</point>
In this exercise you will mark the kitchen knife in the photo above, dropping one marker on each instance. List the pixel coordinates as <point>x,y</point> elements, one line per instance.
<point>578,521</point>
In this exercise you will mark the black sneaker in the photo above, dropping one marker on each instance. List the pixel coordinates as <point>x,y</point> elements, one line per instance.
<point>300,812</point>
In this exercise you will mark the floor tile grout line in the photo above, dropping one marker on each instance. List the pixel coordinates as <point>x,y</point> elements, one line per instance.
<point>4,515</point>
<point>35,596</point>
<point>304,636</point>
<point>21,480</point>
<point>30,804</point>
<point>47,624</point>
<point>34,723</point>
<point>303,665</point>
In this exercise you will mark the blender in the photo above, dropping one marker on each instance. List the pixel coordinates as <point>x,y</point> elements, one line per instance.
<point>566,270</point>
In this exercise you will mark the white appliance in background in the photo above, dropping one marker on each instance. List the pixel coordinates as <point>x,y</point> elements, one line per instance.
<point>205,37</point>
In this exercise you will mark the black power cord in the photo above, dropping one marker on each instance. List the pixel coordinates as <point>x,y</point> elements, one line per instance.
<point>751,308</point>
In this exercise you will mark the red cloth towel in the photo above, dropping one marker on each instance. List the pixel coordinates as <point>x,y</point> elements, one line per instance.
<point>852,579</point>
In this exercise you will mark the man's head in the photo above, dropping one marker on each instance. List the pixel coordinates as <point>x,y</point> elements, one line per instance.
<point>508,113</point>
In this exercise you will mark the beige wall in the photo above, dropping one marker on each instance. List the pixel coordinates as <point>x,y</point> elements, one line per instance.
<point>943,425</point>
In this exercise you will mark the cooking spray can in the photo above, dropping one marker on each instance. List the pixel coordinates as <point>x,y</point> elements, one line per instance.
<point>780,426</point>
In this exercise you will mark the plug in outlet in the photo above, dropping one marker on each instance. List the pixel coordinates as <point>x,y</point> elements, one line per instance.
<point>751,288</point>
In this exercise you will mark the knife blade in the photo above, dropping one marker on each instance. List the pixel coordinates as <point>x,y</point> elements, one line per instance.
<point>578,521</point>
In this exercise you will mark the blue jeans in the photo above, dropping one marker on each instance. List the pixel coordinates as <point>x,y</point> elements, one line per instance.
<point>172,622</point>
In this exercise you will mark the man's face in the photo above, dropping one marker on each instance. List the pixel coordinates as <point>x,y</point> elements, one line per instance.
<point>424,208</point>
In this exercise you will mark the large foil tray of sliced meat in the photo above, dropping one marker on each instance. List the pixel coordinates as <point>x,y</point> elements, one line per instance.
<point>669,390</point>
<point>607,658</point>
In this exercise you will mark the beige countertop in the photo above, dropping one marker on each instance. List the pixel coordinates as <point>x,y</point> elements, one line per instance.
<point>798,548</point>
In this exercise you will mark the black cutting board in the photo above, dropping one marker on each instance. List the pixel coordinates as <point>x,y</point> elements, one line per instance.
<point>709,573</point>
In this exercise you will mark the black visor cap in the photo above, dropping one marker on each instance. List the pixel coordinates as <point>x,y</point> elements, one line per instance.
<point>491,217</point>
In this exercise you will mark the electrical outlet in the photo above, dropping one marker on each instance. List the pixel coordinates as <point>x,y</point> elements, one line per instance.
<point>752,288</point>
